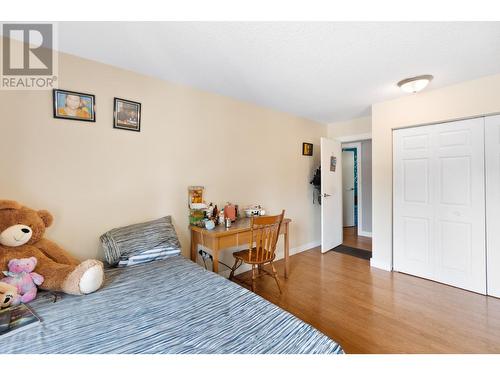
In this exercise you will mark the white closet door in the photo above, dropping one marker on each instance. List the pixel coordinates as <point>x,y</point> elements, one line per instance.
<point>460,209</point>
<point>413,202</point>
<point>439,213</point>
<point>492,144</point>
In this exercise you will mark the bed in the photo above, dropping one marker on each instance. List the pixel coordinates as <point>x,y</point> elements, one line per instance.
<point>168,306</point>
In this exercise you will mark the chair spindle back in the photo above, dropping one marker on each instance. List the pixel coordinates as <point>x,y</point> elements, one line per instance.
<point>265,231</point>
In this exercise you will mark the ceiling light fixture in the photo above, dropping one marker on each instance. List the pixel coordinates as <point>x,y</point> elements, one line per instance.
<point>415,84</point>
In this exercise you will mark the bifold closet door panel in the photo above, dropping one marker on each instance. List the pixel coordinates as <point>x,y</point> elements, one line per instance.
<point>460,205</point>
<point>492,150</point>
<point>413,201</point>
<point>439,210</point>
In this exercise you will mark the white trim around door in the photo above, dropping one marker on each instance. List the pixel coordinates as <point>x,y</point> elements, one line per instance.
<point>354,138</point>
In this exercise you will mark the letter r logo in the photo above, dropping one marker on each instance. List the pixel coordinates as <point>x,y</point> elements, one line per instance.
<point>27,49</point>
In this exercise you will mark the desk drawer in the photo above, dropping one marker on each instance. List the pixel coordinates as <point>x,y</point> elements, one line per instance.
<point>239,239</point>
<point>228,241</point>
<point>243,238</point>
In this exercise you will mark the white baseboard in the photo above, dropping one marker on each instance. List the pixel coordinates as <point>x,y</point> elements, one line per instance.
<point>380,265</point>
<point>307,246</point>
<point>365,234</point>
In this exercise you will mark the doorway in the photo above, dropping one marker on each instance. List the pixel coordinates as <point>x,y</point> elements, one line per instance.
<point>355,238</point>
<point>356,185</point>
<point>350,186</point>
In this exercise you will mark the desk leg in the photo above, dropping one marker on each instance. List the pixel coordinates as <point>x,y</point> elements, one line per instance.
<point>287,250</point>
<point>215,265</point>
<point>194,245</point>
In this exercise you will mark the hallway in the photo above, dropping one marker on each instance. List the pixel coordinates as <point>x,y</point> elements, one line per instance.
<point>351,239</point>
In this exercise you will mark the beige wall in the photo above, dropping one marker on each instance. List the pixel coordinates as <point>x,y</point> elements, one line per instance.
<point>93,177</point>
<point>467,99</point>
<point>354,127</point>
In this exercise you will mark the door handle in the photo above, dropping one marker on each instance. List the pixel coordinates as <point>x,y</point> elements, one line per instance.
<point>326,195</point>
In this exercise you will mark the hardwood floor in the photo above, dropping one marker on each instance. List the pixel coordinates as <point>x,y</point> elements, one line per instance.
<point>352,239</point>
<point>368,310</point>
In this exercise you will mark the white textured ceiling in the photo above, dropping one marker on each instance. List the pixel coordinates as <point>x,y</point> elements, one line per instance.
<point>327,72</point>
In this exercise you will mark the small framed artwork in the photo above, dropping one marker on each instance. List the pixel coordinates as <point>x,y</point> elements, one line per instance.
<point>127,115</point>
<point>333,163</point>
<point>195,194</point>
<point>71,105</point>
<point>307,149</point>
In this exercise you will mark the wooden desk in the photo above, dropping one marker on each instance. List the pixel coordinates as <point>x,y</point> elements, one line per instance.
<point>221,238</point>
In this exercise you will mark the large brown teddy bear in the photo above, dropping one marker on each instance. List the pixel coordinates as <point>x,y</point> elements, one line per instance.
<point>21,236</point>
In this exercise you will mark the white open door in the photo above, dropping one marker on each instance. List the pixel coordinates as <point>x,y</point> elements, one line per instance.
<point>331,194</point>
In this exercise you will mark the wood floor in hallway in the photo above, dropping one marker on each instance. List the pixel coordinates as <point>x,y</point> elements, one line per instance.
<point>368,310</point>
<point>352,239</point>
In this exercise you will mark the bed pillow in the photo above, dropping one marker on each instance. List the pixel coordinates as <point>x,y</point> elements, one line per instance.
<point>140,243</point>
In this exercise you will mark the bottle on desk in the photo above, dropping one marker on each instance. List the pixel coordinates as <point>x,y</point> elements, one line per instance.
<point>230,211</point>
<point>210,211</point>
<point>221,217</point>
<point>215,214</point>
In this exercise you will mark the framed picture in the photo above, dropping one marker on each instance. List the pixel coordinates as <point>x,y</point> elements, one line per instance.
<point>71,105</point>
<point>307,149</point>
<point>333,163</point>
<point>195,194</point>
<point>127,115</point>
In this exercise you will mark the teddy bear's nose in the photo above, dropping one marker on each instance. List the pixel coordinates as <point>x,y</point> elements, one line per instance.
<point>25,230</point>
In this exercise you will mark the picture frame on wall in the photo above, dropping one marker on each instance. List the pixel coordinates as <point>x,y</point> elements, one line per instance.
<point>127,115</point>
<point>307,149</point>
<point>72,105</point>
<point>333,163</point>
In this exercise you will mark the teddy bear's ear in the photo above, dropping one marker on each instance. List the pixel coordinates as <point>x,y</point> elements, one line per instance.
<point>34,260</point>
<point>6,204</point>
<point>46,216</point>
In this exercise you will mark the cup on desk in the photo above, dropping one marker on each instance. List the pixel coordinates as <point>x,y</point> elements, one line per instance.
<point>209,224</point>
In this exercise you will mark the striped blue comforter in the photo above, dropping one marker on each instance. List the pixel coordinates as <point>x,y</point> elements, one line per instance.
<point>167,306</point>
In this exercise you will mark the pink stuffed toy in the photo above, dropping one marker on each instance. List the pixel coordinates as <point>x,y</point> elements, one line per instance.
<point>21,275</point>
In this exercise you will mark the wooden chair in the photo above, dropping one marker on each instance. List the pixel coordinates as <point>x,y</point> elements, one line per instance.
<point>264,232</point>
